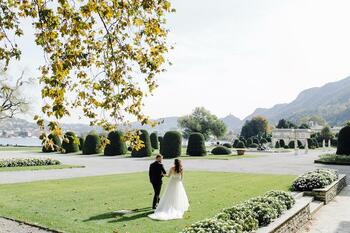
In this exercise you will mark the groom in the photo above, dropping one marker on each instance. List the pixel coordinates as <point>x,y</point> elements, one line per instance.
<point>156,173</point>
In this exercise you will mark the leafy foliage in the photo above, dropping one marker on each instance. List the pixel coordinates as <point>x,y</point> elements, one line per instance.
<point>106,54</point>
<point>53,144</point>
<point>258,126</point>
<point>284,124</point>
<point>28,162</point>
<point>146,150</point>
<point>154,140</point>
<point>221,150</point>
<point>92,144</point>
<point>70,143</point>
<point>196,145</point>
<point>202,121</point>
<point>171,144</point>
<point>116,145</point>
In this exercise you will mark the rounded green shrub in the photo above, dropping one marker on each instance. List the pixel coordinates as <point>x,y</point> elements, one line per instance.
<point>263,141</point>
<point>228,145</point>
<point>70,142</point>
<point>249,142</point>
<point>282,143</point>
<point>81,143</point>
<point>256,141</point>
<point>92,144</point>
<point>171,144</point>
<point>196,145</point>
<point>277,145</point>
<point>154,140</point>
<point>240,144</point>
<point>116,145</point>
<point>146,150</point>
<point>221,150</point>
<point>56,142</point>
<point>235,143</point>
<point>343,147</point>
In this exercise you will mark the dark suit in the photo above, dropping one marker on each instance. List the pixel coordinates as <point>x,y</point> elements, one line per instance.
<point>156,171</point>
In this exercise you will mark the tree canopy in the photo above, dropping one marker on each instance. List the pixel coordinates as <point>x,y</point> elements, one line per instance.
<point>285,124</point>
<point>101,56</point>
<point>202,121</point>
<point>257,126</point>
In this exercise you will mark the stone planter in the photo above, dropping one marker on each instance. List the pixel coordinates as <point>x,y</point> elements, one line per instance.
<point>328,193</point>
<point>240,151</point>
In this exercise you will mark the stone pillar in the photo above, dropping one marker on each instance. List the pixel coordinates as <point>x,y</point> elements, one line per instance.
<point>306,147</point>
<point>296,146</point>
<point>323,144</point>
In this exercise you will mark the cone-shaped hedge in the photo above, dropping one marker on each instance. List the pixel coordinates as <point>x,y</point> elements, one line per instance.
<point>343,147</point>
<point>171,144</point>
<point>92,144</point>
<point>145,151</point>
<point>154,140</point>
<point>56,143</point>
<point>235,143</point>
<point>196,145</point>
<point>221,150</point>
<point>73,143</point>
<point>240,145</point>
<point>116,145</point>
<point>277,145</point>
<point>282,143</point>
<point>81,143</point>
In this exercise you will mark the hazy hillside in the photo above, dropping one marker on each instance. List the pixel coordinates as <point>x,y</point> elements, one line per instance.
<point>331,101</point>
<point>233,123</point>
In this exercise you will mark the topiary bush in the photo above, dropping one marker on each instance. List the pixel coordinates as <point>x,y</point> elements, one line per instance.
<point>235,143</point>
<point>277,145</point>
<point>240,145</point>
<point>171,144</point>
<point>256,141</point>
<point>70,142</point>
<point>116,144</point>
<point>221,150</point>
<point>228,145</point>
<point>282,143</point>
<point>55,143</point>
<point>343,147</point>
<point>249,142</point>
<point>253,145</point>
<point>263,141</point>
<point>145,151</point>
<point>81,143</point>
<point>196,145</point>
<point>154,140</point>
<point>160,140</point>
<point>92,144</point>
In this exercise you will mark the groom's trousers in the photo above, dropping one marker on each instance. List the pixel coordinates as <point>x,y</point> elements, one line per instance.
<point>156,187</point>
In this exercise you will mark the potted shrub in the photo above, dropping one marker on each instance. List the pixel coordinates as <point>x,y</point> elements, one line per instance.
<point>240,148</point>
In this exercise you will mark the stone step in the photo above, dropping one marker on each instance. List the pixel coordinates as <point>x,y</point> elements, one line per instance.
<point>297,195</point>
<point>315,206</point>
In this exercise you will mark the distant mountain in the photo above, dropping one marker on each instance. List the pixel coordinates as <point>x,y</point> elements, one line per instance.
<point>331,101</point>
<point>233,123</point>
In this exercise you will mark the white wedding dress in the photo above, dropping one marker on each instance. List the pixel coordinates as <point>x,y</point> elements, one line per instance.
<point>174,202</point>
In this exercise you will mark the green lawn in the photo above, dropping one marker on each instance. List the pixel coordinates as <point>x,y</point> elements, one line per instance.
<point>85,204</point>
<point>35,168</point>
<point>21,148</point>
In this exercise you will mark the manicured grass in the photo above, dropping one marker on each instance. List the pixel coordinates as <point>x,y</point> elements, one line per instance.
<point>334,159</point>
<point>21,148</point>
<point>86,204</point>
<point>35,168</point>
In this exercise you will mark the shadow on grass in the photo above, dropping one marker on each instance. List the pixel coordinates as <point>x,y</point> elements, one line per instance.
<point>116,217</point>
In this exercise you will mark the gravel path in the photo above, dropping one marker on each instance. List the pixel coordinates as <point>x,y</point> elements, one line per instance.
<point>8,226</point>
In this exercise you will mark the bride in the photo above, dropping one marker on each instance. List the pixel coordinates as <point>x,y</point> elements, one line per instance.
<point>174,202</point>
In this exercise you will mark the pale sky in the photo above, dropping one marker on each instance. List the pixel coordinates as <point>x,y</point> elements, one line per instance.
<point>232,56</point>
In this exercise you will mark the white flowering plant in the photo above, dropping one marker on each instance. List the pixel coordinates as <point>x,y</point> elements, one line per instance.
<point>318,178</point>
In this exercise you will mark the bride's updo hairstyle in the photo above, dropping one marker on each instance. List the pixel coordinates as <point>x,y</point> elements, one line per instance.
<point>178,166</point>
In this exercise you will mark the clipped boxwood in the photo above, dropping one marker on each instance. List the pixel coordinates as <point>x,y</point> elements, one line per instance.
<point>235,143</point>
<point>263,141</point>
<point>256,141</point>
<point>146,150</point>
<point>171,144</point>
<point>81,143</point>
<point>196,145</point>
<point>221,150</point>
<point>277,145</point>
<point>116,145</point>
<point>343,147</point>
<point>228,145</point>
<point>253,145</point>
<point>92,144</point>
<point>282,143</point>
<point>70,142</point>
<point>56,142</point>
<point>154,140</point>
<point>240,145</point>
